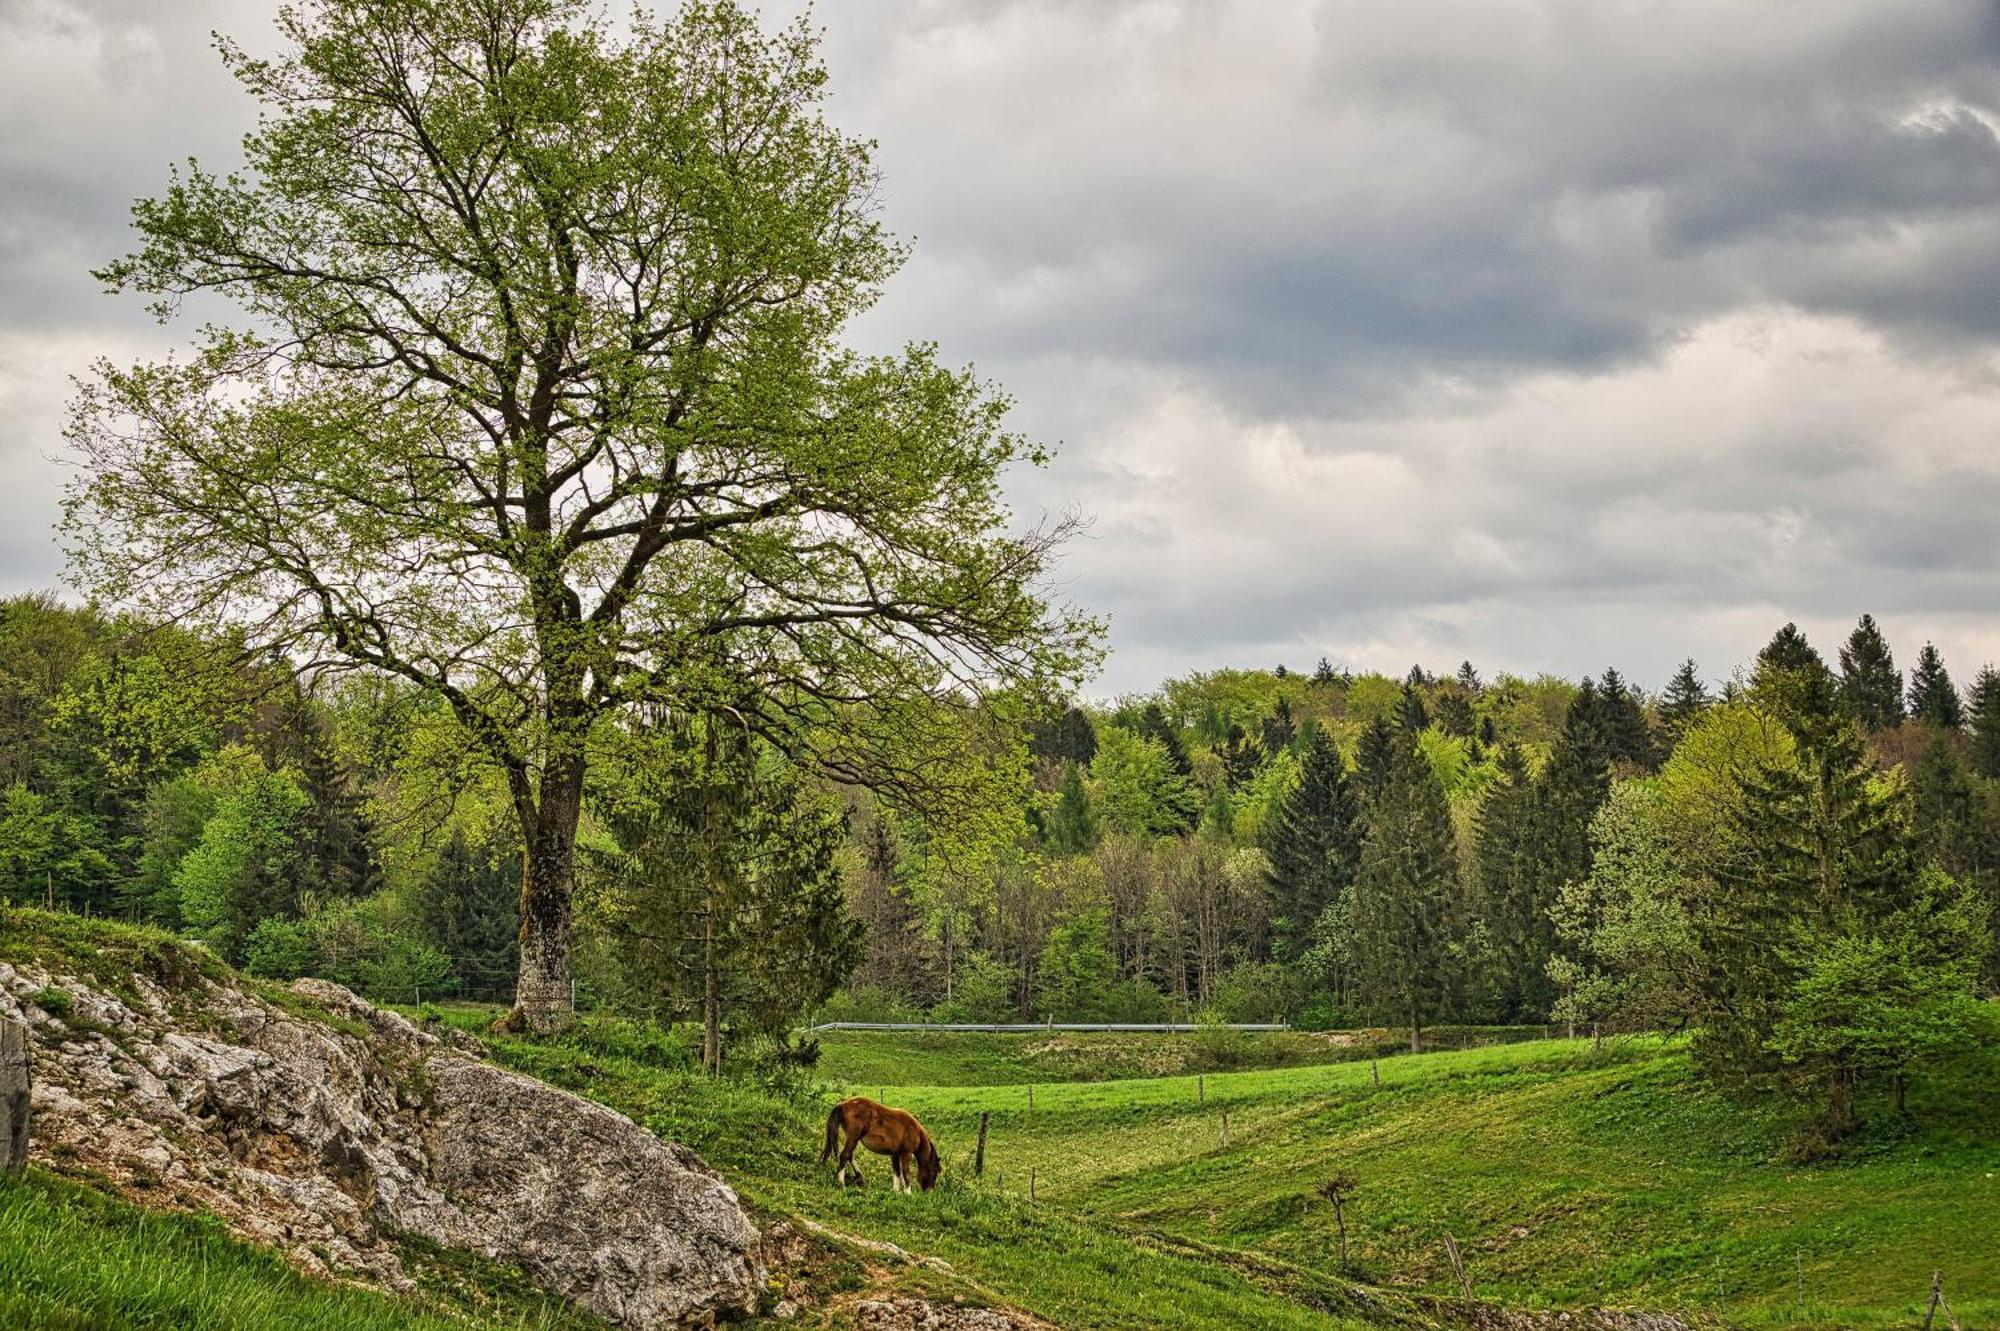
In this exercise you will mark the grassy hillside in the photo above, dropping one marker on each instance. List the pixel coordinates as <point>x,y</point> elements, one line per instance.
<point>1569,1177</point>
<point>72,1259</point>
<point>980,1058</point>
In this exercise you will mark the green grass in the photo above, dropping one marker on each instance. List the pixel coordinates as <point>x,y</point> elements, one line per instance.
<point>1570,1177</point>
<point>73,1259</point>
<point>981,1058</point>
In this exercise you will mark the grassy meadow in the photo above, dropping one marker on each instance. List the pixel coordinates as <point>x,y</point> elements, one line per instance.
<point>1569,1176</point>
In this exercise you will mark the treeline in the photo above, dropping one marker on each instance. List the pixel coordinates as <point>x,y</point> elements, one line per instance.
<point>1800,865</point>
<point>347,829</point>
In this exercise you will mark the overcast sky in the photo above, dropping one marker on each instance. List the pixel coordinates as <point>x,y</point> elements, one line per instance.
<point>1552,335</point>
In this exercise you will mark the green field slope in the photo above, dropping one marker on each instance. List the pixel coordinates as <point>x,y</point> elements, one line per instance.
<point>73,1259</point>
<point>1569,1177</point>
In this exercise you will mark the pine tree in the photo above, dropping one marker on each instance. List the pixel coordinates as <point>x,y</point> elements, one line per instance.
<point>1986,722</point>
<point>1411,714</point>
<point>1279,728</point>
<point>1933,699</point>
<point>1153,724</point>
<point>1870,684</point>
<point>1314,846</point>
<point>1553,849</point>
<point>1323,672</point>
<point>1468,679</point>
<point>1685,699</point>
<point>1069,738</point>
<point>1373,758</point>
<point>1454,711</point>
<point>1830,951</point>
<point>1404,891</point>
<point>1241,757</point>
<point>1622,723</point>
<point>1787,650</point>
<point>1073,827</point>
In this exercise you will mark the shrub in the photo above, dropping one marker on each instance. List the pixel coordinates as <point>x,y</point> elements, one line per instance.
<point>281,949</point>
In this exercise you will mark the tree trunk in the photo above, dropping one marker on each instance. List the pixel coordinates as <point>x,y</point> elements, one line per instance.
<point>542,993</point>
<point>711,998</point>
<point>1416,1035</point>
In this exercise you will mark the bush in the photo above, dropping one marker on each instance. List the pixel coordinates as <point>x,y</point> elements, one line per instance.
<point>984,993</point>
<point>281,949</point>
<point>1258,992</point>
<point>871,1002</point>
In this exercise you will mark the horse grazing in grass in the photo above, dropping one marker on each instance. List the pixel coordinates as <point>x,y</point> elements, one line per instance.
<point>885,1131</point>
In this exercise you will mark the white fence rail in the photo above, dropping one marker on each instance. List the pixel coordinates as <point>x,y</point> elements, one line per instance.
<point>1026,1028</point>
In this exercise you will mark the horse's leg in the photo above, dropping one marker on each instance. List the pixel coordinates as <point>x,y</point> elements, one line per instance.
<point>902,1166</point>
<point>847,1155</point>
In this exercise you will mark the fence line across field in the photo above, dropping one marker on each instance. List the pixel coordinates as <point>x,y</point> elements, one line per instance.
<point>1029,1028</point>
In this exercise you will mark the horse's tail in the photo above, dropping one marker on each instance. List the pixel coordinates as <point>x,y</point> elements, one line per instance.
<point>832,1134</point>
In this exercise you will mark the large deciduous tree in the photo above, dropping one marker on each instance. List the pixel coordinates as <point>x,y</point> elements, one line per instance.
<point>540,403</point>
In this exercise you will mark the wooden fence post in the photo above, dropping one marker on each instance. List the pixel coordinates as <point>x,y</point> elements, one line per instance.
<point>979,1155</point>
<point>1457,1266</point>
<point>1201,1090</point>
<point>1031,1187</point>
<point>13,1095</point>
<point>1031,1095</point>
<point>1938,1300</point>
<point>1225,1129</point>
<point>1375,1070</point>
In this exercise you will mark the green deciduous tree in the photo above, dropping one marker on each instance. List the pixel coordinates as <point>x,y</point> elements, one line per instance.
<point>1136,788</point>
<point>540,403</point>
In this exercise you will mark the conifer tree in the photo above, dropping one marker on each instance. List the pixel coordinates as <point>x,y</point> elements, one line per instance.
<point>1323,672</point>
<point>1831,952</point>
<point>1073,828</point>
<point>1986,722</point>
<point>1069,738</point>
<point>1933,699</point>
<point>1411,714</point>
<point>1153,725</point>
<point>1468,679</point>
<point>1454,711</point>
<point>1685,699</point>
<point>1240,755</point>
<point>1500,850</point>
<point>1279,728</point>
<point>1314,846</point>
<point>1554,849</point>
<point>1373,758</point>
<point>468,908</point>
<point>1788,650</point>
<point>1622,722</point>
<point>1870,684</point>
<point>1404,892</point>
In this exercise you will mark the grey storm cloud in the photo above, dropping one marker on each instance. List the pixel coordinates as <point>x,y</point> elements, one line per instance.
<point>1553,333</point>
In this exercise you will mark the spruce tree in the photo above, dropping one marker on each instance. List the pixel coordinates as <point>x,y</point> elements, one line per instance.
<point>1685,699</point>
<point>1787,650</point>
<point>1314,846</point>
<point>1373,758</point>
<point>1554,849</point>
<point>1411,714</point>
<point>1279,728</point>
<point>1068,738</point>
<point>1454,711</point>
<point>467,907</point>
<point>1986,722</point>
<point>1404,892</point>
<point>1323,672</point>
<point>1933,699</point>
<point>1153,724</point>
<point>1870,684</point>
<point>1073,827</point>
<point>1628,737</point>
<point>1500,861</point>
<point>1468,679</point>
<point>1830,951</point>
<point>1240,755</point>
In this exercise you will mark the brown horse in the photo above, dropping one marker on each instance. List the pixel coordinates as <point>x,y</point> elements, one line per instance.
<point>885,1131</point>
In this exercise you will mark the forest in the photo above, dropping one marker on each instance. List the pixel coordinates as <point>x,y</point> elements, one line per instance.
<point>1798,865</point>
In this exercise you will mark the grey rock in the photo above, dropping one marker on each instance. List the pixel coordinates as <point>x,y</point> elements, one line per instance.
<point>322,1142</point>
